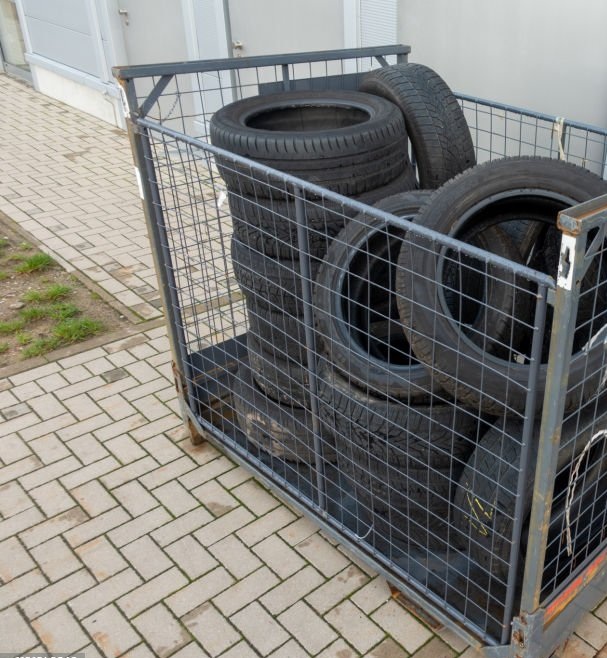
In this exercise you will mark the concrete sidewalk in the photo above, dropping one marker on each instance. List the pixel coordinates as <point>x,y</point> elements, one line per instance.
<point>117,536</point>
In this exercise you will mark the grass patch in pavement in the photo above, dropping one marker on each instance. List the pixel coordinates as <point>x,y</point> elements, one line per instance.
<point>42,307</point>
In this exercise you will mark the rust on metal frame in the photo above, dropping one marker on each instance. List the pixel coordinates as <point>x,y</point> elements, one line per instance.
<point>417,611</point>
<point>575,221</point>
<point>569,593</point>
<point>195,436</point>
<point>178,378</point>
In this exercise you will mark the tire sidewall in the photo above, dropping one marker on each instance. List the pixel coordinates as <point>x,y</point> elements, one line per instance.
<point>476,369</point>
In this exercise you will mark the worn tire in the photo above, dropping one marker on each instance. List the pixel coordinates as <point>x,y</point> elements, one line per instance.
<point>436,125</point>
<point>346,141</point>
<point>407,437</point>
<point>283,431</point>
<point>402,461</point>
<point>282,379</point>
<point>277,331</point>
<point>486,494</point>
<point>414,517</point>
<point>274,283</point>
<point>269,224</point>
<point>349,297</point>
<point>464,367</point>
<point>352,284</point>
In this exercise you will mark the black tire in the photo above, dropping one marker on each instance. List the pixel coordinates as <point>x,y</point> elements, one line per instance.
<point>280,378</point>
<point>269,224</point>
<point>354,292</point>
<point>408,437</point>
<point>464,367</point>
<point>276,331</point>
<point>283,431</point>
<point>352,284</point>
<point>411,518</point>
<point>274,283</point>
<point>486,494</point>
<point>346,141</point>
<point>280,240</point>
<point>391,439</point>
<point>402,461</point>
<point>436,125</point>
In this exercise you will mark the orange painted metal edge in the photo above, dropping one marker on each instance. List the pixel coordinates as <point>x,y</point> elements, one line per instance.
<point>569,593</point>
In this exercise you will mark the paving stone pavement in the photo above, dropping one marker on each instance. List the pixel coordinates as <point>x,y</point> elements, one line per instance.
<point>68,179</point>
<point>118,537</point>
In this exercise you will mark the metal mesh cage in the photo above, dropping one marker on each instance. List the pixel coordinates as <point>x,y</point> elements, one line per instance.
<point>384,376</point>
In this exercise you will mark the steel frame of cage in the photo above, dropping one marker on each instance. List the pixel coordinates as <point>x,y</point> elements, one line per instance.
<point>537,627</point>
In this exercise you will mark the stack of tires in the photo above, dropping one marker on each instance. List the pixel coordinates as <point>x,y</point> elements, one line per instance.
<point>422,353</point>
<point>397,439</point>
<point>352,143</point>
<point>425,362</point>
<point>481,357</point>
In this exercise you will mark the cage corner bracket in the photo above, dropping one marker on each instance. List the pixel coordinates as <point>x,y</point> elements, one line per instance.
<point>526,634</point>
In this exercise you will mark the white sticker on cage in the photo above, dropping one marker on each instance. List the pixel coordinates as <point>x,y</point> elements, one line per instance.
<point>139,183</point>
<point>566,263</point>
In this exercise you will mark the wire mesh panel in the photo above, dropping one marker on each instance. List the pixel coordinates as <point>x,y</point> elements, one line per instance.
<point>384,370</point>
<point>578,525</point>
<point>185,98</point>
<point>313,367</point>
<point>500,130</point>
<point>404,440</point>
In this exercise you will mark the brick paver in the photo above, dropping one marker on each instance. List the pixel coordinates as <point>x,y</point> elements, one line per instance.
<point>117,536</point>
<point>68,180</point>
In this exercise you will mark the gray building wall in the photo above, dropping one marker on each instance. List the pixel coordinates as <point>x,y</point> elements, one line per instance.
<point>544,55</point>
<point>548,55</point>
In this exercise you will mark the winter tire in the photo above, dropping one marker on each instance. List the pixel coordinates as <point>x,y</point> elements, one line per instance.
<point>274,283</point>
<point>435,123</point>
<point>277,331</point>
<point>269,224</point>
<point>354,295</point>
<point>402,460</point>
<point>486,494</point>
<point>464,366</point>
<point>346,141</point>
<point>355,313</point>
<point>280,378</point>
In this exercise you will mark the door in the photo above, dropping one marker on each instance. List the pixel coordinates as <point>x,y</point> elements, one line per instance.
<point>157,31</point>
<point>153,31</point>
<point>270,27</point>
<point>267,27</point>
<point>210,29</point>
